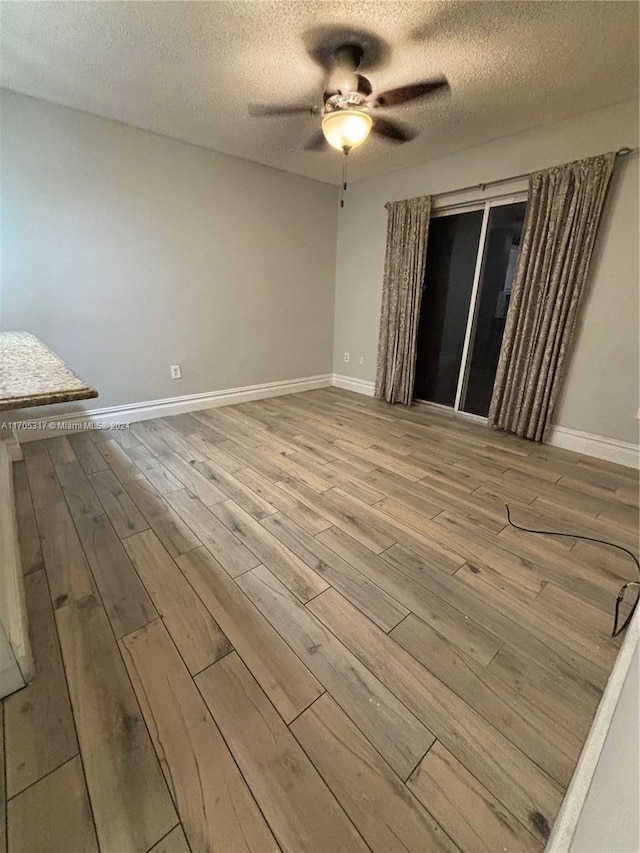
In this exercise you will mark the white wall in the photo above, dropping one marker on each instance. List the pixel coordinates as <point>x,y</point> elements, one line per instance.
<point>600,394</point>
<point>127,252</point>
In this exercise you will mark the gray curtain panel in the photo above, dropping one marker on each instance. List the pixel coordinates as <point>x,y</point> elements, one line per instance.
<point>564,209</point>
<point>407,230</point>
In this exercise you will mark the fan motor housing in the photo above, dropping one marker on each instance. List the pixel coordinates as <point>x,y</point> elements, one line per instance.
<point>352,101</point>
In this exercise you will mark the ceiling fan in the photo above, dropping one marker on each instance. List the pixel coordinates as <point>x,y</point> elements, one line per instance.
<point>349,106</point>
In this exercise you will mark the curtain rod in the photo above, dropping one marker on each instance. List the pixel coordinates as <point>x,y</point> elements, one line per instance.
<point>621,152</point>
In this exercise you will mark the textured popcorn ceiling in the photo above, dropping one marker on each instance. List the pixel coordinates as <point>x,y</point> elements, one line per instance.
<point>188,69</point>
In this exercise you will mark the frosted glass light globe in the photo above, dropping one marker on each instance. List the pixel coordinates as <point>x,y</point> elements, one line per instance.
<point>346,128</point>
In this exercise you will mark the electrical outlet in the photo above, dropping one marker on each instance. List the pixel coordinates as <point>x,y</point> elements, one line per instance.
<point>346,358</point>
<point>361,360</point>
<point>176,371</point>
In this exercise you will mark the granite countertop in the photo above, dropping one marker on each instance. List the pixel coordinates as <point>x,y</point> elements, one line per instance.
<point>32,375</point>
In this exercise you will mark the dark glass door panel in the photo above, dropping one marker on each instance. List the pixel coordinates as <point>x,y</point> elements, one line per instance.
<point>452,248</point>
<point>502,245</point>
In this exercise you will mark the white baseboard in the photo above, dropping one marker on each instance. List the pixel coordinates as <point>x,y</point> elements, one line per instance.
<point>349,383</point>
<point>48,427</point>
<point>611,449</point>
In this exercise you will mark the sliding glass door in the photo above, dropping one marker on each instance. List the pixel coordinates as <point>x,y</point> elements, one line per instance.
<point>471,260</point>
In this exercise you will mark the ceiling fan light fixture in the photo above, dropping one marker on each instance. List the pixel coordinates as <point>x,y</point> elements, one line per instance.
<point>346,129</point>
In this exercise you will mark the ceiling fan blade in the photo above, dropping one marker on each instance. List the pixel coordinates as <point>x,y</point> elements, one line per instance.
<point>413,92</point>
<point>364,86</point>
<point>265,110</point>
<point>392,131</point>
<point>316,143</point>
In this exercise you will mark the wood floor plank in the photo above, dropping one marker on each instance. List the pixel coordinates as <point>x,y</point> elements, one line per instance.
<point>117,504</point>
<point>302,812</point>
<point>130,801</point>
<point>332,452</point>
<point>557,515</point>
<point>125,598</point>
<point>478,510</point>
<point>405,491</point>
<point>162,479</point>
<point>572,701</point>
<point>218,539</point>
<point>174,842</point>
<point>87,453</point>
<point>557,493</point>
<point>226,423</point>
<point>441,470</point>
<point>593,656</point>
<point>81,499</point>
<point>511,777</point>
<point>282,675</point>
<point>349,479</point>
<point>60,450</point>
<point>396,733</point>
<point>39,729</point>
<point>555,603</point>
<point>566,569</point>
<point>259,463</point>
<point>53,816</point>
<point>160,441</point>
<point>204,426</point>
<point>189,452</point>
<point>394,530</point>
<point>43,483</point>
<point>319,451</point>
<point>214,453</point>
<point>453,551</point>
<point>297,511</point>
<point>371,599</point>
<point>597,559</point>
<point>124,437</point>
<point>405,468</point>
<point>67,569</point>
<point>347,520</point>
<point>183,425</point>
<point>471,815</point>
<point>246,420</point>
<point>463,631</point>
<point>28,539</point>
<point>193,629</point>
<point>237,491</point>
<point>215,806</point>
<point>300,469</point>
<point>165,522</point>
<point>125,470</point>
<point>185,472</point>
<point>386,815</point>
<point>294,573</point>
<point>483,603</point>
<point>620,515</point>
<point>552,747</point>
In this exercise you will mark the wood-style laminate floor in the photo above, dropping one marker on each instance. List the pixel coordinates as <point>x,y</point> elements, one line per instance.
<point>304,624</point>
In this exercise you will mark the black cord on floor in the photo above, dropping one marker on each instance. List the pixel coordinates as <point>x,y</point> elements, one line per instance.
<point>616,629</point>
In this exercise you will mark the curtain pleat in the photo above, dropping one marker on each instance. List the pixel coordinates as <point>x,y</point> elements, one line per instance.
<point>407,230</point>
<point>564,210</point>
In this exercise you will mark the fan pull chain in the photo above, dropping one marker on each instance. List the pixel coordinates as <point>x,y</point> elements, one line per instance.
<point>343,187</point>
